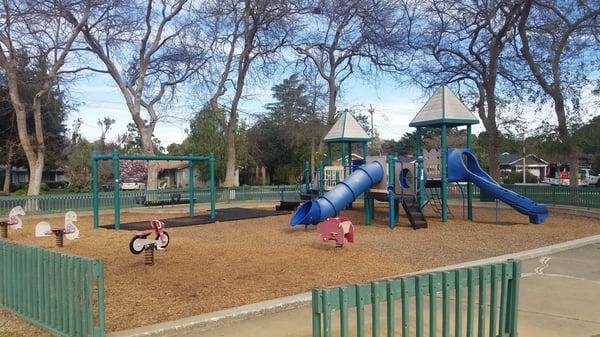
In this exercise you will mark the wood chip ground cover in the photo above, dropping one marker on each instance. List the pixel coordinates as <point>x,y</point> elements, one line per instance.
<point>227,264</point>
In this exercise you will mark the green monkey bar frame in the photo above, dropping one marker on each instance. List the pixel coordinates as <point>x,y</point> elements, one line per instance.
<point>116,157</point>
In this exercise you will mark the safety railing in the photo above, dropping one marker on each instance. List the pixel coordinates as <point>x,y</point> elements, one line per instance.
<point>61,293</point>
<point>479,301</point>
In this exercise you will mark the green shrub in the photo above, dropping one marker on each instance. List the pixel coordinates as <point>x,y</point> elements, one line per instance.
<point>517,177</point>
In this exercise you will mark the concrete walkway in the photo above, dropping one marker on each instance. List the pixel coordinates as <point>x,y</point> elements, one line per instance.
<point>560,297</point>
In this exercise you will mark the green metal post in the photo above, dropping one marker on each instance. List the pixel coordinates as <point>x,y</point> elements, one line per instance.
<point>321,179</point>
<point>191,187</point>
<point>391,188</point>
<point>117,190</point>
<point>95,201</point>
<point>349,157</point>
<point>344,158</point>
<point>213,214</point>
<point>306,175</point>
<point>444,159</point>
<point>329,154</point>
<point>366,201</point>
<point>420,171</point>
<point>469,184</point>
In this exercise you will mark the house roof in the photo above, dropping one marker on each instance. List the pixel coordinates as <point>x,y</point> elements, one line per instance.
<point>516,159</point>
<point>443,108</point>
<point>346,129</point>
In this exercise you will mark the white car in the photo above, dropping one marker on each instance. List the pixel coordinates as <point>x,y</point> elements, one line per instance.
<point>130,184</point>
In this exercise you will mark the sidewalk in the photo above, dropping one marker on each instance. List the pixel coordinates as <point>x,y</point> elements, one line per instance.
<point>560,297</point>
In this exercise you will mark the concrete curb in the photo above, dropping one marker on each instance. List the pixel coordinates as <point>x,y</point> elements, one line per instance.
<point>208,320</point>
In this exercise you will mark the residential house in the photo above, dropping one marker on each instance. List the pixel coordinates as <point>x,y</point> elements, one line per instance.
<point>512,162</point>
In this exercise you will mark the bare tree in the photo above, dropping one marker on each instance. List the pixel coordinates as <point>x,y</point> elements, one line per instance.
<point>558,40</point>
<point>34,29</point>
<point>464,44</point>
<point>146,47</point>
<point>343,37</point>
<point>245,32</point>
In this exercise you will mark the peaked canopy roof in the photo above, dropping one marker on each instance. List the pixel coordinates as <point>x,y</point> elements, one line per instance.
<point>346,129</point>
<point>443,108</point>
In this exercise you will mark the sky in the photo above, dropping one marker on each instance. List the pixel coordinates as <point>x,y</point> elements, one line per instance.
<point>96,96</point>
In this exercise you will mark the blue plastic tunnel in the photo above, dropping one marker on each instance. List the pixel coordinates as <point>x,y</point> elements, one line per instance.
<point>345,192</point>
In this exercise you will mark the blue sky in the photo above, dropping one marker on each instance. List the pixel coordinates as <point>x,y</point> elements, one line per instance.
<point>96,96</point>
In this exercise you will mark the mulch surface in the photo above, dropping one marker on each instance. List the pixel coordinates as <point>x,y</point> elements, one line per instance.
<point>227,264</point>
<point>225,214</point>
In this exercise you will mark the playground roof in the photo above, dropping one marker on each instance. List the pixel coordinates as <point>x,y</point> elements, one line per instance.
<point>443,108</point>
<point>346,129</point>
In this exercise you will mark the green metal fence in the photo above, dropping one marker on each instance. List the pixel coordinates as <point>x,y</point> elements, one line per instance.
<point>476,301</point>
<point>560,195</point>
<point>61,293</point>
<point>56,203</point>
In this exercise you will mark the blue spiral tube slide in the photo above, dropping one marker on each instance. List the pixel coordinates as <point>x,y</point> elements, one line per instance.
<point>345,192</point>
<point>463,166</point>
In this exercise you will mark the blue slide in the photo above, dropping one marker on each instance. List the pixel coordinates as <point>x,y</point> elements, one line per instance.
<point>463,166</point>
<point>345,192</point>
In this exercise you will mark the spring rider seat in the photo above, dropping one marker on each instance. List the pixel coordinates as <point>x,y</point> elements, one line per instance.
<point>338,229</point>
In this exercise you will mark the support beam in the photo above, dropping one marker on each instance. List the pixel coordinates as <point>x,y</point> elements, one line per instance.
<point>469,184</point>
<point>191,187</point>
<point>444,159</point>
<point>420,171</point>
<point>329,154</point>
<point>117,190</point>
<point>95,199</point>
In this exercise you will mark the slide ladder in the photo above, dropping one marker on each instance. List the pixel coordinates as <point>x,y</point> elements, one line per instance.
<point>415,216</point>
<point>434,199</point>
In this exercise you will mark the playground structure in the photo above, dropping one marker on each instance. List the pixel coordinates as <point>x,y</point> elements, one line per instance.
<point>412,183</point>
<point>116,157</point>
<point>70,230</point>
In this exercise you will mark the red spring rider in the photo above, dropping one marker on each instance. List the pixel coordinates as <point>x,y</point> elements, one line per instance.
<point>336,229</point>
<point>140,240</point>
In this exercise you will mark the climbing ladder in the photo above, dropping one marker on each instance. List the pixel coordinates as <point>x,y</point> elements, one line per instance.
<point>434,199</point>
<point>415,216</point>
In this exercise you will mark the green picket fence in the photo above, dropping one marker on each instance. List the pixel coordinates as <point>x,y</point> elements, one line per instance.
<point>560,195</point>
<point>56,203</point>
<point>480,301</point>
<point>61,293</point>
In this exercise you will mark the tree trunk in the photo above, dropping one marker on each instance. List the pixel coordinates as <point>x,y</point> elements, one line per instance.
<point>331,110</point>
<point>7,176</point>
<point>565,137</point>
<point>148,149</point>
<point>231,154</point>
<point>494,166</point>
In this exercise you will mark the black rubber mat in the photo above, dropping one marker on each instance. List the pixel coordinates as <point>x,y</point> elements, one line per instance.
<point>225,214</point>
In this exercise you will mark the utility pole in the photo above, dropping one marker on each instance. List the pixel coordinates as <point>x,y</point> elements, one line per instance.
<point>372,111</point>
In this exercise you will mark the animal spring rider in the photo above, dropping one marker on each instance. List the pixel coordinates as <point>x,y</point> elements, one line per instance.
<point>13,221</point>
<point>140,241</point>
<point>336,229</point>
<point>70,231</point>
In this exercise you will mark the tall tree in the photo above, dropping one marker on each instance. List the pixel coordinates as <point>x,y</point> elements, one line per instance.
<point>280,137</point>
<point>464,44</point>
<point>35,30</point>
<point>245,32</point>
<point>105,124</point>
<point>343,37</point>
<point>160,34</point>
<point>560,41</point>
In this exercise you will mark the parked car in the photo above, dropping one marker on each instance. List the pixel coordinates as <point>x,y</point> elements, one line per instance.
<point>130,184</point>
<point>589,176</point>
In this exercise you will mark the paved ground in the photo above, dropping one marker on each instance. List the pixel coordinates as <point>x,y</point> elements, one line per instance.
<point>560,297</point>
